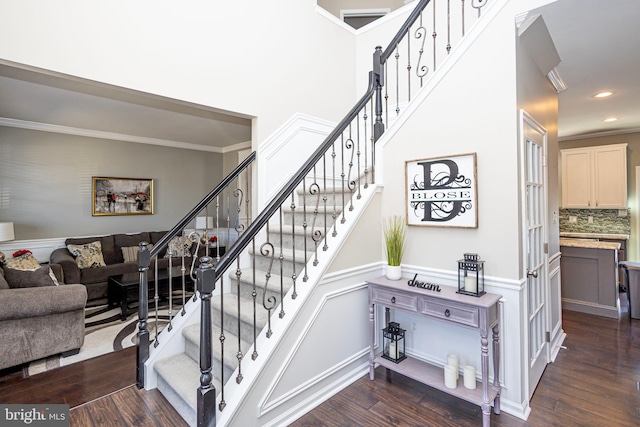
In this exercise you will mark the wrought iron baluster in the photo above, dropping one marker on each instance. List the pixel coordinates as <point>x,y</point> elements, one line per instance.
<point>342,174</point>
<point>294,294</point>
<point>183,272</point>
<point>349,145</point>
<point>448,26</point>
<point>386,97</point>
<point>408,69</point>
<point>334,215</point>
<point>156,302</point>
<point>304,226</point>
<point>239,354</point>
<point>434,35</point>
<point>316,235</point>
<point>254,295</point>
<point>221,338</point>
<point>462,18</point>
<point>324,199</point>
<point>281,314</point>
<point>397,56</point>
<point>421,34</point>
<point>366,143</point>
<point>267,249</point>
<point>365,117</point>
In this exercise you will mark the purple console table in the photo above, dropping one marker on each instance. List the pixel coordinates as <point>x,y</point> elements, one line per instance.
<point>448,306</point>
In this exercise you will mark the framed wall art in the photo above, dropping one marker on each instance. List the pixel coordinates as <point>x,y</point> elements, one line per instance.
<point>122,196</point>
<point>442,191</point>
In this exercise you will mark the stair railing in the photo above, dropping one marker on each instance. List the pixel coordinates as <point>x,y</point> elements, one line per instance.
<point>179,258</point>
<point>317,195</point>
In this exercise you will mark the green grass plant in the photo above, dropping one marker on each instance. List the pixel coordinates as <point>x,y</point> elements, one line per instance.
<point>395,232</point>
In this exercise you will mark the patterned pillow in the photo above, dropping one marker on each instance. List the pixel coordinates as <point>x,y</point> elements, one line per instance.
<point>23,262</point>
<point>179,246</point>
<point>88,255</point>
<point>130,253</point>
<point>27,262</point>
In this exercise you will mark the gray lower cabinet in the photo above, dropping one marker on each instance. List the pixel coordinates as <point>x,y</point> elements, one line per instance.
<point>448,306</point>
<point>590,280</point>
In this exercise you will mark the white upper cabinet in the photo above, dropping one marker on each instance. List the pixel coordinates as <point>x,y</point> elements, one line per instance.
<point>594,177</point>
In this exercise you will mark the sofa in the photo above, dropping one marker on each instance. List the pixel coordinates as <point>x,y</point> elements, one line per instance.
<point>113,249</point>
<point>39,320</point>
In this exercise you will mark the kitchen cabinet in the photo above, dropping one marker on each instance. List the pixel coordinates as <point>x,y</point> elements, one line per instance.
<point>589,276</point>
<point>594,177</point>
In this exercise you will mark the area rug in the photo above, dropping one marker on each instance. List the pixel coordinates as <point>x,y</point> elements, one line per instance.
<point>104,332</point>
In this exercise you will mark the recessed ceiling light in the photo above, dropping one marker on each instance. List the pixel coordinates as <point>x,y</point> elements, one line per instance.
<point>611,119</point>
<point>602,94</point>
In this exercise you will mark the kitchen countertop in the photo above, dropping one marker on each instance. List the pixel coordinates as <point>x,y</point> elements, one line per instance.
<point>588,244</point>
<point>595,235</point>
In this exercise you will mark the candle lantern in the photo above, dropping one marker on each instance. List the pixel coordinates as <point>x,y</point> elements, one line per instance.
<point>471,275</point>
<point>393,343</point>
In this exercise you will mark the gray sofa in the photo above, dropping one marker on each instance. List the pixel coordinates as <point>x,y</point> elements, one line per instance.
<point>38,322</point>
<point>95,279</point>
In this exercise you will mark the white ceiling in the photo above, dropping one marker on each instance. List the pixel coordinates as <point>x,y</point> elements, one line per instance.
<point>598,45</point>
<point>596,40</point>
<point>59,103</point>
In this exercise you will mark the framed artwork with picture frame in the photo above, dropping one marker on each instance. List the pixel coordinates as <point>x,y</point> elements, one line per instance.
<point>442,191</point>
<point>121,196</point>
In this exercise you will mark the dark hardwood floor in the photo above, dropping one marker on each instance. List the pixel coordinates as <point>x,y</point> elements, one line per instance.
<point>593,382</point>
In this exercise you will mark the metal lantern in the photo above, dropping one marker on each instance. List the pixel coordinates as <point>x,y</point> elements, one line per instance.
<point>471,275</point>
<point>393,343</point>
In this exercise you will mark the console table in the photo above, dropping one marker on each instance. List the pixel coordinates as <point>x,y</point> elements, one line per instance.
<point>448,306</point>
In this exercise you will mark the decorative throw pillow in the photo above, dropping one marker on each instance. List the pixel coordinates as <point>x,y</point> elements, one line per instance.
<point>27,262</point>
<point>130,253</point>
<point>28,278</point>
<point>88,255</point>
<point>179,246</point>
<point>23,262</point>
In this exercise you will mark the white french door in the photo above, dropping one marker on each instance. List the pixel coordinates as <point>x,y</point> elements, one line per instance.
<point>534,173</point>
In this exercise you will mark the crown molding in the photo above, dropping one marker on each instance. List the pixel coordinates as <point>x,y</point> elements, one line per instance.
<point>556,80</point>
<point>91,133</point>
<point>598,134</point>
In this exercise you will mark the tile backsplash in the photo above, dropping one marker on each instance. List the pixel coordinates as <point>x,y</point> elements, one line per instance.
<point>604,221</point>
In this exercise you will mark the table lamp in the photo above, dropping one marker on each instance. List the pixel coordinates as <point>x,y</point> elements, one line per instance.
<point>6,234</point>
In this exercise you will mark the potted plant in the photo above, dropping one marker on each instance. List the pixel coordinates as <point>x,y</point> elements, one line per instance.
<point>395,230</point>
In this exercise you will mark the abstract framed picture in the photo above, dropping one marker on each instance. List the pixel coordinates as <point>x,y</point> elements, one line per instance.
<point>442,191</point>
<point>121,196</point>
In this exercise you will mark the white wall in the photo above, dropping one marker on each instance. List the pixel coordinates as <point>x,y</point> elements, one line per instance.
<point>265,59</point>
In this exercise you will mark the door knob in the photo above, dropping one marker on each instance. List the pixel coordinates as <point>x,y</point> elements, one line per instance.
<point>533,274</point>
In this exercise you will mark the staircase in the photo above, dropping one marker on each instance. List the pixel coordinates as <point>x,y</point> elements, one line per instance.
<point>282,253</point>
<point>179,375</point>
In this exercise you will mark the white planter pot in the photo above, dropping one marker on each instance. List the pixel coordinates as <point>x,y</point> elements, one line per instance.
<point>394,272</point>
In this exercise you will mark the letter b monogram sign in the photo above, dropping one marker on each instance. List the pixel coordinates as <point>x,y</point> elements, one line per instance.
<point>442,191</point>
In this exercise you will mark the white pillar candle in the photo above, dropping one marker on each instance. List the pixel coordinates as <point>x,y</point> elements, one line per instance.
<point>452,360</point>
<point>469,377</point>
<point>392,350</point>
<point>470,284</point>
<point>450,380</point>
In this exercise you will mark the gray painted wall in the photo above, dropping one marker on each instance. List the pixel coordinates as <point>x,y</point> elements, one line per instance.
<point>45,182</point>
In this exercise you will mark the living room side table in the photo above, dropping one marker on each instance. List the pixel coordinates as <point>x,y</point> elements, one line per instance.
<point>448,306</point>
